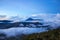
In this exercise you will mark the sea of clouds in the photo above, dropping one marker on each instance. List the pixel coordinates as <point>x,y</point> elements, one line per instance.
<point>21,30</point>
<point>51,19</point>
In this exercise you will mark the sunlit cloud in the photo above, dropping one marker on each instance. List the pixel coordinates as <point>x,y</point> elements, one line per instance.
<point>3,17</point>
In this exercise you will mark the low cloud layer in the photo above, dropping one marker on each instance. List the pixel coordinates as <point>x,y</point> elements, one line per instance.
<point>19,31</point>
<point>51,19</point>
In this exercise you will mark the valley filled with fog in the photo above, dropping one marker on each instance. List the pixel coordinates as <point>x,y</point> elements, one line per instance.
<point>21,30</point>
<point>24,18</point>
<point>33,24</point>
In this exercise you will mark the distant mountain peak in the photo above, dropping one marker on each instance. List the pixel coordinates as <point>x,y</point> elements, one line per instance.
<point>29,19</point>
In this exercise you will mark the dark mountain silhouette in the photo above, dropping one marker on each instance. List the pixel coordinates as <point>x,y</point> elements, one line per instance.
<point>30,22</point>
<point>29,19</point>
<point>5,21</point>
<point>34,19</point>
<point>4,24</point>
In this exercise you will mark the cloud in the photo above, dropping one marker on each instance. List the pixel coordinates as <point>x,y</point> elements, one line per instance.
<point>51,19</point>
<point>18,31</point>
<point>47,16</point>
<point>3,17</point>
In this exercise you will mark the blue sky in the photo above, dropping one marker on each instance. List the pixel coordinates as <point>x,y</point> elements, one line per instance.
<point>28,7</point>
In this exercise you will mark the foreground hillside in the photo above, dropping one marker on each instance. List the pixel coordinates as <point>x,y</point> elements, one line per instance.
<point>50,35</point>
